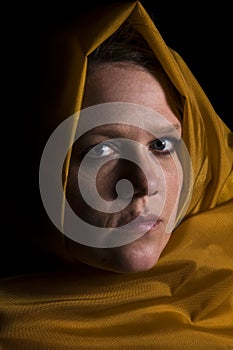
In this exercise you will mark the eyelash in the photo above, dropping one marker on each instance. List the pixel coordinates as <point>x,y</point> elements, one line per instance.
<point>163,153</point>
<point>160,153</point>
<point>89,149</point>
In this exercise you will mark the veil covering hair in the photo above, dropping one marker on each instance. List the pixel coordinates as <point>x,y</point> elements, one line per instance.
<point>185,301</point>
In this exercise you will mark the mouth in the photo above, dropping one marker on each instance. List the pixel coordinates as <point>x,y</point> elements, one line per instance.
<point>142,224</point>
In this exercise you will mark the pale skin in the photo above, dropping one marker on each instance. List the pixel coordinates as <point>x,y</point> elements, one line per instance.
<point>126,82</point>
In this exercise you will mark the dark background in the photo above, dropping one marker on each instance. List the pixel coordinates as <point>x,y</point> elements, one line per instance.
<point>202,36</point>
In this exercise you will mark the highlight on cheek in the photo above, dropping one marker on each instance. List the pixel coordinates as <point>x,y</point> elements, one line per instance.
<point>104,133</point>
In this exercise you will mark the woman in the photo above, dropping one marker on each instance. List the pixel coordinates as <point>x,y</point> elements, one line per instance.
<point>139,81</point>
<point>170,286</point>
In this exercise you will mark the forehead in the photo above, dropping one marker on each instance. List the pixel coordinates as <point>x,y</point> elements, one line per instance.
<point>130,83</point>
<point>127,120</point>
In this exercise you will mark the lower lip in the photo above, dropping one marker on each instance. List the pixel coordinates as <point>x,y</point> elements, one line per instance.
<point>142,227</point>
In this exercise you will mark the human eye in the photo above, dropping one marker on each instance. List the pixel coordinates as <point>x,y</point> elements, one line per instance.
<point>100,150</point>
<point>163,146</point>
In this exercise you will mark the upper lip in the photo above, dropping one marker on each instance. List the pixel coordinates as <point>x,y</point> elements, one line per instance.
<point>147,218</point>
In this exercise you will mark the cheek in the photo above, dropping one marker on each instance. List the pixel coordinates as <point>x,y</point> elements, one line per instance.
<point>95,189</point>
<point>174,178</point>
<point>106,180</point>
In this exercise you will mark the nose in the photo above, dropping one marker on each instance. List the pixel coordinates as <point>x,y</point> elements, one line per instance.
<point>144,173</point>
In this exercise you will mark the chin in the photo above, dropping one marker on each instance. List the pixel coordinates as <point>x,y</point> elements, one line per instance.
<point>139,256</point>
<point>134,268</point>
<point>129,259</point>
<point>126,268</point>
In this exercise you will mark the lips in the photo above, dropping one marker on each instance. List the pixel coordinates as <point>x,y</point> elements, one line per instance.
<point>142,223</point>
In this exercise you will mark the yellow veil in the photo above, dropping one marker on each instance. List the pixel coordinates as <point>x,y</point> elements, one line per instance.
<point>186,300</point>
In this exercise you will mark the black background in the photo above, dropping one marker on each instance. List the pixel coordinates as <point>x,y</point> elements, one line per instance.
<point>202,36</point>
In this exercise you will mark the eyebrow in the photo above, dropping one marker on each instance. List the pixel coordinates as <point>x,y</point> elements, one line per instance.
<point>109,132</point>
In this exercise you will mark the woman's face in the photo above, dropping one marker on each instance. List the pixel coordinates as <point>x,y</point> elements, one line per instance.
<point>161,187</point>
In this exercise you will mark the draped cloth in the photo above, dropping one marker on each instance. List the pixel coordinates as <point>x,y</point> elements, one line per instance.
<point>186,300</point>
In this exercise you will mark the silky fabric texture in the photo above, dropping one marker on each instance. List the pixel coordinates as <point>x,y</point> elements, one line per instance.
<point>186,300</point>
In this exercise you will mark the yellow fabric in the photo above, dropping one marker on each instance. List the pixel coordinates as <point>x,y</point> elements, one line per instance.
<point>186,300</point>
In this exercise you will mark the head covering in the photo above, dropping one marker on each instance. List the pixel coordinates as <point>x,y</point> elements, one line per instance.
<point>185,301</point>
